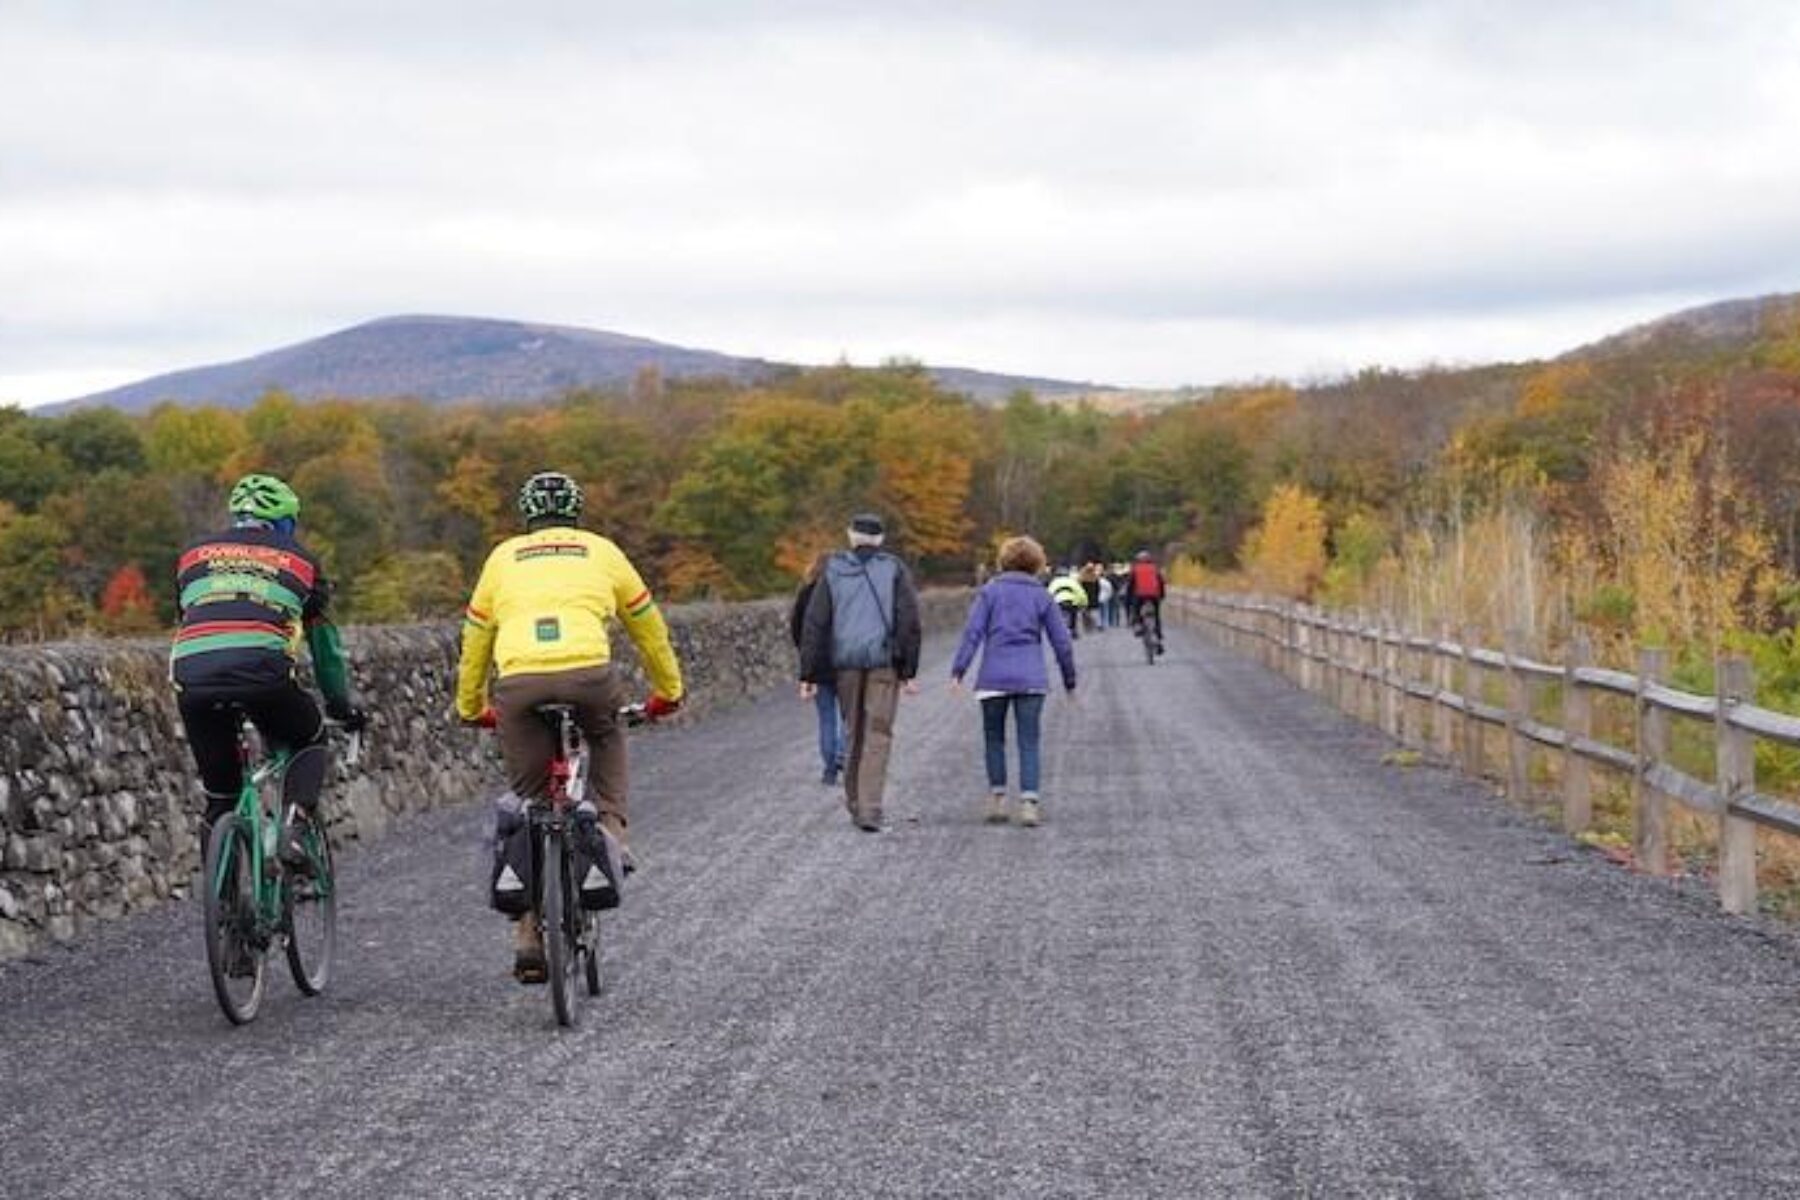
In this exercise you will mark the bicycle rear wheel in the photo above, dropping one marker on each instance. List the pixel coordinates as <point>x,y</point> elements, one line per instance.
<point>559,927</point>
<point>309,906</point>
<point>234,948</point>
<point>590,951</point>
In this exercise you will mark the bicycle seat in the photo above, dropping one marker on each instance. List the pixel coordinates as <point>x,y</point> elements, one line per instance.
<point>554,710</point>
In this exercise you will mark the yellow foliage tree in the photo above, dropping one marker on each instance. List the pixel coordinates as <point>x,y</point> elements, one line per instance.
<point>1547,388</point>
<point>473,489</point>
<point>924,461</point>
<point>1285,554</point>
<point>1683,542</point>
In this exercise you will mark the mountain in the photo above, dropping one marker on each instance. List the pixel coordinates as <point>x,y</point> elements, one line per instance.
<point>1724,325</point>
<point>449,359</point>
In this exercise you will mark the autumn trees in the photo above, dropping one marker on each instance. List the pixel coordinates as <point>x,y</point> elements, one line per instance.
<point>1650,491</point>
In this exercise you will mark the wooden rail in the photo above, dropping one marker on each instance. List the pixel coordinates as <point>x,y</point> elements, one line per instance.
<point>1431,694</point>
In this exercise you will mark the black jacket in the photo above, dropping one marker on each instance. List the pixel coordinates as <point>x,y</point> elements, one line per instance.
<point>817,625</point>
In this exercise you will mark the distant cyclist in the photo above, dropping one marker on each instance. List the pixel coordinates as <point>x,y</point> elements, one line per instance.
<point>248,596</point>
<point>1145,588</point>
<point>538,615</point>
<point>1070,596</point>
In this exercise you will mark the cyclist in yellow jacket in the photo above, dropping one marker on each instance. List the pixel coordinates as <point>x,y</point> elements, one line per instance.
<point>538,618</point>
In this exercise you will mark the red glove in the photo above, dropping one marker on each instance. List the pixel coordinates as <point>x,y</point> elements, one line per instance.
<point>487,720</point>
<point>656,707</point>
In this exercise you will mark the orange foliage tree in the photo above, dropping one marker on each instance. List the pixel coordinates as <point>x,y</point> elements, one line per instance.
<point>125,603</point>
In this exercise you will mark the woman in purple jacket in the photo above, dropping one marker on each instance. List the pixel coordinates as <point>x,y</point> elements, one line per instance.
<point>1012,615</point>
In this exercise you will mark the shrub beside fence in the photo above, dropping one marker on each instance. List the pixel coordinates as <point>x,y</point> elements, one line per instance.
<point>1435,694</point>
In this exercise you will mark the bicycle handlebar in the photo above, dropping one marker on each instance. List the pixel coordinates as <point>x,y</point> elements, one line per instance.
<point>631,716</point>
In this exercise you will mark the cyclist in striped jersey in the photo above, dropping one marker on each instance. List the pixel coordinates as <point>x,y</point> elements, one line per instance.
<point>248,596</point>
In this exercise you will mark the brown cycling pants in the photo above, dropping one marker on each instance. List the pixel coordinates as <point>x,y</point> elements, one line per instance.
<point>869,701</point>
<point>528,743</point>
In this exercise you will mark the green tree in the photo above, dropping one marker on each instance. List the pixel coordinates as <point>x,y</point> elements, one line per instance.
<point>30,470</point>
<point>97,439</point>
<point>33,597</point>
<point>413,585</point>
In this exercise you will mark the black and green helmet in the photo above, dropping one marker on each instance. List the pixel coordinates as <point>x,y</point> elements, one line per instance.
<point>264,497</point>
<point>550,494</point>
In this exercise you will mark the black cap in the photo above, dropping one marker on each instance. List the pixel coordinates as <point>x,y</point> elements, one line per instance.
<point>867,523</point>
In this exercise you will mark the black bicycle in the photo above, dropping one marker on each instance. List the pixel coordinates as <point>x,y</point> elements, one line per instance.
<point>1145,630</point>
<point>570,929</point>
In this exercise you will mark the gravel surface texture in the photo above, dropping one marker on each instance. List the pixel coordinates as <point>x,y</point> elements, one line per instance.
<point>1240,958</point>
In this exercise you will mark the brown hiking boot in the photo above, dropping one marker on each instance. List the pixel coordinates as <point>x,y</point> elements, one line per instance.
<point>528,951</point>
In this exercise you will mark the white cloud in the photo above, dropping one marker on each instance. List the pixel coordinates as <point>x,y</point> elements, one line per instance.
<point>1144,194</point>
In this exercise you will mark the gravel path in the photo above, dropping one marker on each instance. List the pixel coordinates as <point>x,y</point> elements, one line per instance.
<point>1241,958</point>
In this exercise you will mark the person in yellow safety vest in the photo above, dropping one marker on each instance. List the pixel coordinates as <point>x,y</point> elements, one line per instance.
<point>1071,597</point>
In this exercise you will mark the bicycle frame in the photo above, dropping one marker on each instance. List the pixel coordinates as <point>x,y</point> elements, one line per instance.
<point>251,812</point>
<point>258,820</point>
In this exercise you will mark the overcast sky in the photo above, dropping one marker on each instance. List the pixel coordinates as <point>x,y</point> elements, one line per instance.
<point>1143,194</point>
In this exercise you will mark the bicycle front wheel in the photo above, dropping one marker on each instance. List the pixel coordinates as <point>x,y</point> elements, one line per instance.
<point>234,947</point>
<point>559,927</point>
<point>309,906</point>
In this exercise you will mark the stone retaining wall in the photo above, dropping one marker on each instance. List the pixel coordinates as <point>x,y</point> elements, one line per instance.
<point>100,806</point>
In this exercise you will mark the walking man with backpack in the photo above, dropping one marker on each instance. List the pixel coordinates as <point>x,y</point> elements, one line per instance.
<point>861,632</point>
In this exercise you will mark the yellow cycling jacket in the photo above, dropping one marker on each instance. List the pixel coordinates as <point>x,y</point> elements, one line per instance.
<point>542,603</point>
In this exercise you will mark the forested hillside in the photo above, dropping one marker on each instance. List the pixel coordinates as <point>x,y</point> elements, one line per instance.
<point>1649,488</point>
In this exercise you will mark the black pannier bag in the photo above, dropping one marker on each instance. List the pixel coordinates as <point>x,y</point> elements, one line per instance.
<point>510,879</point>
<point>596,869</point>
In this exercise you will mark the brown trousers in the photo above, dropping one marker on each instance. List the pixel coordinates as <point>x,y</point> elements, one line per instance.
<point>869,701</point>
<point>527,742</point>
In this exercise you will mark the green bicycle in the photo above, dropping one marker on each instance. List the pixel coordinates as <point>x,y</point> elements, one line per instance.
<point>256,903</point>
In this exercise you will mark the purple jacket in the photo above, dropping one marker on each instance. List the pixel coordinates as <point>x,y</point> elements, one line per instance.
<point>1012,613</point>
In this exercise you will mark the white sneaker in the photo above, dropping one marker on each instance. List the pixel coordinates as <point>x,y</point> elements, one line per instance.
<point>996,808</point>
<point>1029,816</point>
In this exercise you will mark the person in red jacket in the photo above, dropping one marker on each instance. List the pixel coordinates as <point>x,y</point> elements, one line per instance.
<point>1145,588</point>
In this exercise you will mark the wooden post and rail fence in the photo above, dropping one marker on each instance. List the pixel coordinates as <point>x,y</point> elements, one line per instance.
<point>1430,693</point>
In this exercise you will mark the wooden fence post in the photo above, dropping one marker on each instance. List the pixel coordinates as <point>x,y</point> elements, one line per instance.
<point>1650,805</point>
<point>1578,722</point>
<point>1443,677</point>
<point>1334,646</point>
<point>1303,649</point>
<point>1369,656</point>
<point>1473,736</point>
<point>1736,754</point>
<point>1518,710</point>
<point>1385,657</point>
<point>1409,717</point>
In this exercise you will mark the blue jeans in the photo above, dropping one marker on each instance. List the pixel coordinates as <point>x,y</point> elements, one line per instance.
<point>1028,712</point>
<point>831,727</point>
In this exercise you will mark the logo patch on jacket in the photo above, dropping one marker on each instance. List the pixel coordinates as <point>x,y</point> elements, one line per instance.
<point>550,550</point>
<point>549,629</point>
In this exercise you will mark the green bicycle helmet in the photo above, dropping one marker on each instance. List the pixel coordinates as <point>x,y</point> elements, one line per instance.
<point>263,497</point>
<point>550,494</point>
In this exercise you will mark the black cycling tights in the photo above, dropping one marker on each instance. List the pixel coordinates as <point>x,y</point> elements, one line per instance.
<point>286,716</point>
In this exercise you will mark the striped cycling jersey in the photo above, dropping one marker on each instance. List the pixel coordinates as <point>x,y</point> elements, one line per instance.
<point>245,595</point>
